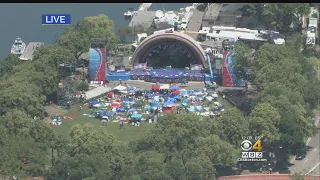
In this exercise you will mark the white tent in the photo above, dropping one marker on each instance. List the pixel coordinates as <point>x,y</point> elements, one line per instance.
<point>120,88</point>
<point>164,86</point>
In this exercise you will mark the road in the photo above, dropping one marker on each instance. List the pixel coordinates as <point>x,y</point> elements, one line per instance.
<point>311,163</point>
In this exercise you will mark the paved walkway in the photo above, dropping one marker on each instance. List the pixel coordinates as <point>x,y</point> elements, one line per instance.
<point>96,92</point>
<point>195,23</point>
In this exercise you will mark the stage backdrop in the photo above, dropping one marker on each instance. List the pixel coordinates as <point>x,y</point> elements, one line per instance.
<point>97,64</point>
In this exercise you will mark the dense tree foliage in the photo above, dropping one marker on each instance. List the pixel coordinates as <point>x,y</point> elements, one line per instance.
<point>183,146</point>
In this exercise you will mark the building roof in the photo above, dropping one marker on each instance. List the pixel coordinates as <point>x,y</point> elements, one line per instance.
<point>265,177</point>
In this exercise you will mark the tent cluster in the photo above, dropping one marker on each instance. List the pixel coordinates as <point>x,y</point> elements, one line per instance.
<point>131,104</point>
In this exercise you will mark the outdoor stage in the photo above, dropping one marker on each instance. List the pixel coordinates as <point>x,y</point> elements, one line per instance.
<point>161,76</point>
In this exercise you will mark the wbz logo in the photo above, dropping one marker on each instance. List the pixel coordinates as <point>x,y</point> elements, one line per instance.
<point>252,155</point>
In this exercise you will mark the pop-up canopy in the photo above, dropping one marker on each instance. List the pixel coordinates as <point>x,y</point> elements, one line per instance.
<point>120,88</point>
<point>164,86</point>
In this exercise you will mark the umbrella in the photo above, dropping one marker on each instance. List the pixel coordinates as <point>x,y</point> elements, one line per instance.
<point>155,87</point>
<point>105,117</point>
<point>175,92</point>
<point>115,104</point>
<point>121,109</point>
<point>174,88</point>
<point>168,110</point>
<point>132,110</point>
<point>110,94</point>
<point>177,97</point>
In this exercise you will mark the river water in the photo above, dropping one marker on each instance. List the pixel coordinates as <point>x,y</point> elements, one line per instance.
<point>24,20</point>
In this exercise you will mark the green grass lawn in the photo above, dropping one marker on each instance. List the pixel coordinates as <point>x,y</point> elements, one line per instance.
<point>126,134</point>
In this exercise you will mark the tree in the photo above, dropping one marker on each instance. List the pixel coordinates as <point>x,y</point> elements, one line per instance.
<point>90,153</point>
<point>16,122</point>
<point>21,156</point>
<point>233,126</point>
<point>264,121</point>
<point>6,66</point>
<point>54,54</point>
<point>77,39</point>
<point>150,165</point>
<point>243,56</point>
<point>124,33</point>
<point>22,96</point>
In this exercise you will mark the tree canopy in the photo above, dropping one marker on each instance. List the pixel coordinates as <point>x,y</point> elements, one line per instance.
<point>178,147</point>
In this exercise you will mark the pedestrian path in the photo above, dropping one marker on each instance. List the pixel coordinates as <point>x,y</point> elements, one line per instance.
<point>97,92</point>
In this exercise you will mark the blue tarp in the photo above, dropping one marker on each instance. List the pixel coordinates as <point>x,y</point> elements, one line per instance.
<point>93,102</point>
<point>174,87</point>
<point>137,116</point>
<point>102,112</point>
<point>168,103</point>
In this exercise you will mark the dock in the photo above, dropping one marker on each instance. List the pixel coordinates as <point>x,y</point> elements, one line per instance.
<point>144,18</point>
<point>195,23</point>
<point>144,6</point>
<point>30,49</point>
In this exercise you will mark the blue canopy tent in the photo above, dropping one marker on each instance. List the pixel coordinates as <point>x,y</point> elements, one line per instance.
<point>183,92</point>
<point>178,97</point>
<point>174,87</point>
<point>171,99</point>
<point>136,116</point>
<point>111,113</point>
<point>185,102</point>
<point>122,109</point>
<point>149,95</point>
<point>168,103</point>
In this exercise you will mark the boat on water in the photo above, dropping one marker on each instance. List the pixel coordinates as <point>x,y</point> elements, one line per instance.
<point>18,46</point>
<point>129,13</point>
